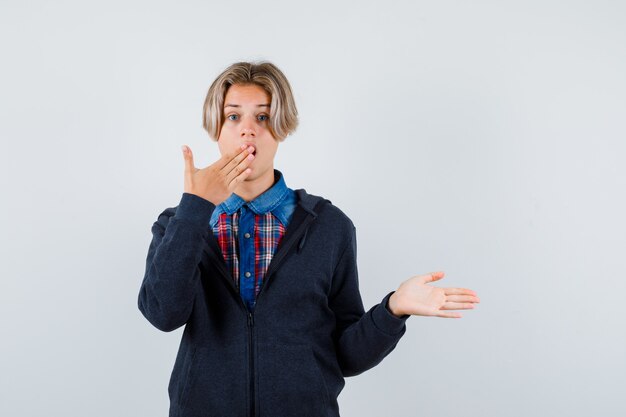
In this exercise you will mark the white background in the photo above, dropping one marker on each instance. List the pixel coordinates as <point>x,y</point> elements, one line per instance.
<point>484,138</point>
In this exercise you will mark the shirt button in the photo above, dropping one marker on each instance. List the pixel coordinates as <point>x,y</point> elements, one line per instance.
<point>247,235</point>
<point>248,274</point>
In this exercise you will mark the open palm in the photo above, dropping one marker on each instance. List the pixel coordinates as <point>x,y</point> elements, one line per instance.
<point>416,297</point>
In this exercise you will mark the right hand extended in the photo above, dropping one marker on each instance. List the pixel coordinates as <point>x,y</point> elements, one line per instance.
<point>217,181</point>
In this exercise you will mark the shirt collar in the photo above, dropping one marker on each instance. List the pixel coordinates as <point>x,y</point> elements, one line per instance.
<point>264,203</point>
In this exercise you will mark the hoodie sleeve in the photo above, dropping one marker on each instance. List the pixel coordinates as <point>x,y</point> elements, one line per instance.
<point>362,339</point>
<point>172,273</point>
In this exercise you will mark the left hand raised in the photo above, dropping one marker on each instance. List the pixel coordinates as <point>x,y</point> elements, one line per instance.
<point>415,297</point>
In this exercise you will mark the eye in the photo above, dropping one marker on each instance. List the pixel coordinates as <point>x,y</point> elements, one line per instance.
<point>264,115</point>
<point>230,115</point>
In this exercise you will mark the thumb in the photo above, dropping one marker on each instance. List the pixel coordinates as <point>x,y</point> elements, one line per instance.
<point>189,167</point>
<point>433,276</point>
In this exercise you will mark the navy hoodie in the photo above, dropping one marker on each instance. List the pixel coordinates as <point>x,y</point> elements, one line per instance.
<point>308,331</point>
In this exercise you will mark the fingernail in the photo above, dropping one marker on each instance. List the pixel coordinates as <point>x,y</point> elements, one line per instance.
<point>184,148</point>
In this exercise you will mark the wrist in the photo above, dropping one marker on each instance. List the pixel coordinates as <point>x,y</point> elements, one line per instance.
<point>392,305</point>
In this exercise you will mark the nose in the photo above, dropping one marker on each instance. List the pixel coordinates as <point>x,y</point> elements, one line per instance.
<point>247,128</point>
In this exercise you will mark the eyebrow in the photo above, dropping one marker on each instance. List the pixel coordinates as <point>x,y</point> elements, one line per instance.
<point>237,105</point>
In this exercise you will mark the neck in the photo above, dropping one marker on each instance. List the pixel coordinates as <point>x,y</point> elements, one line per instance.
<point>253,187</point>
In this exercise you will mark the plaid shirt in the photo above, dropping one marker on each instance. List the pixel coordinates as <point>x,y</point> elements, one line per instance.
<point>262,223</point>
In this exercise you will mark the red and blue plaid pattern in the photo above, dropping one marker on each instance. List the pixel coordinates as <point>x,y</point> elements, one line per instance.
<point>268,231</point>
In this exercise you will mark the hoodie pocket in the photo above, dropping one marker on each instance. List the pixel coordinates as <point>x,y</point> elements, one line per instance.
<point>290,382</point>
<point>216,384</point>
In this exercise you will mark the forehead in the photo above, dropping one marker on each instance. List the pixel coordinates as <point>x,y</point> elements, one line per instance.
<point>246,95</point>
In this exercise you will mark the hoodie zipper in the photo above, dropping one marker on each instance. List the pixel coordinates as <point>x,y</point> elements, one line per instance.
<point>251,360</point>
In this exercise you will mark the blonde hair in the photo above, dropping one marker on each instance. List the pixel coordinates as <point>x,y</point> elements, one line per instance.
<point>283,118</point>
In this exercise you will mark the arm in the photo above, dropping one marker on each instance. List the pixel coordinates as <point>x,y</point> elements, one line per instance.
<point>362,339</point>
<point>172,273</point>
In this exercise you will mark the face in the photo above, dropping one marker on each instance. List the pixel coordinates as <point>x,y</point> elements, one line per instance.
<point>246,121</point>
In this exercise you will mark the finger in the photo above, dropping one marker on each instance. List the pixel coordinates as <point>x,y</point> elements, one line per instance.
<point>469,298</point>
<point>234,183</point>
<point>461,291</point>
<point>457,306</point>
<point>226,161</point>
<point>433,276</point>
<point>449,315</point>
<point>241,164</point>
<point>189,167</point>
<point>235,164</point>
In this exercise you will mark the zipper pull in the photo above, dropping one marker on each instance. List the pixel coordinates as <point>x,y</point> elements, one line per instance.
<point>250,319</point>
<point>302,240</point>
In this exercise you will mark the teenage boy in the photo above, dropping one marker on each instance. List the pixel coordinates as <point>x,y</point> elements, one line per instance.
<point>263,277</point>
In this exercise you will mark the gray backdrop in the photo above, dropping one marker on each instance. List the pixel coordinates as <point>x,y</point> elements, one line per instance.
<point>483,138</point>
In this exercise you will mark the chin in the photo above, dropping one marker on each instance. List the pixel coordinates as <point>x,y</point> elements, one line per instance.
<point>252,176</point>
<point>256,173</point>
